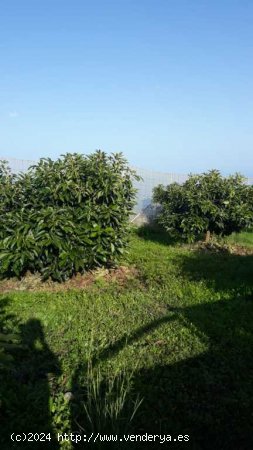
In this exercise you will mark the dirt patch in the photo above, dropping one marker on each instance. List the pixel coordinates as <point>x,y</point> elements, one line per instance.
<point>240,250</point>
<point>214,247</point>
<point>33,282</point>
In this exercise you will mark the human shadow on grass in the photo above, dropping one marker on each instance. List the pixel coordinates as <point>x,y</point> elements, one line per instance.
<point>208,397</point>
<point>95,390</point>
<point>24,389</point>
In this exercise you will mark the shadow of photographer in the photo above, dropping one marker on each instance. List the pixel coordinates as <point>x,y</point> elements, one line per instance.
<point>25,387</point>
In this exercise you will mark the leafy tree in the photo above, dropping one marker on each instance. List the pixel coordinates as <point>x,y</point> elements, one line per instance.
<point>205,204</point>
<point>65,216</point>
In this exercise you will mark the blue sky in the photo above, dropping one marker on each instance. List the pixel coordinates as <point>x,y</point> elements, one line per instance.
<point>167,82</point>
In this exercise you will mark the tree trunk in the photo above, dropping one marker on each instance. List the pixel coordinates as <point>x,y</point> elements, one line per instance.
<point>207,237</point>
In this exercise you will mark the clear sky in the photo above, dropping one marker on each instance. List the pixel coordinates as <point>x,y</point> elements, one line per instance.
<point>167,82</point>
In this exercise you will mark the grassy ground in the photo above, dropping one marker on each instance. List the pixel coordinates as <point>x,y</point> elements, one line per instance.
<point>182,329</point>
<point>243,238</point>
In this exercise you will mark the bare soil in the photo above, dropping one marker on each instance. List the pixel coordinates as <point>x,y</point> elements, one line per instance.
<point>33,282</point>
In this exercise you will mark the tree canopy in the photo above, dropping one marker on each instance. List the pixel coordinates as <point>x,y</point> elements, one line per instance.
<point>205,204</point>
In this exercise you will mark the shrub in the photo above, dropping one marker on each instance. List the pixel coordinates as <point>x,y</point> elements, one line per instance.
<point>65,216</point>
<point>206,203</point>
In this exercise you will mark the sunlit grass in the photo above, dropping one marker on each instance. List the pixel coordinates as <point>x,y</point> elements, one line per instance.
<point>243,238</point>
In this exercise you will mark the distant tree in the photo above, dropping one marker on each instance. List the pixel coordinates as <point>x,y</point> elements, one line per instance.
<point>205,204</point>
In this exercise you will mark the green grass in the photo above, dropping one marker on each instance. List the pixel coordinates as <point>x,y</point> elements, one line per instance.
<point>180,334</point>
<point>243,238</point>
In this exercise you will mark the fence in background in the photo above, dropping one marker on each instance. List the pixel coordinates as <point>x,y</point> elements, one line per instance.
<point>150,180</point>
<point>144,188</point>
<point>18,165</point>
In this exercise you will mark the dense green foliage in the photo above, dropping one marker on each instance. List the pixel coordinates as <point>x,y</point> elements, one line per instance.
<point>65,216</point>
<point>205,203</point>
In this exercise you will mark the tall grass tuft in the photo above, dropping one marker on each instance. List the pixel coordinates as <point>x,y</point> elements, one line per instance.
<point>109,405</point>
